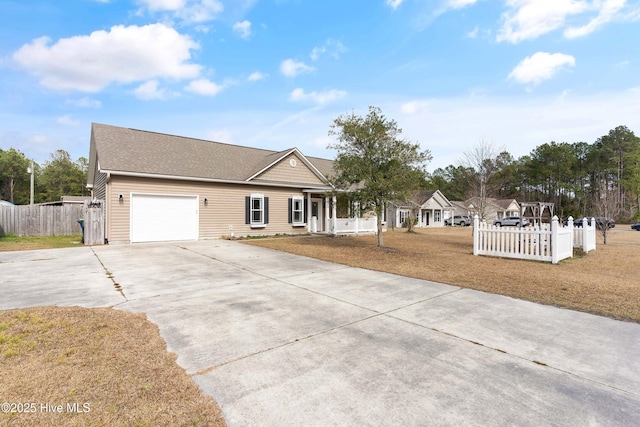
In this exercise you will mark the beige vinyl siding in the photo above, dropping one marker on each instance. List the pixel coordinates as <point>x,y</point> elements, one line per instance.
<point>226,206</point>
<point>284,172</point>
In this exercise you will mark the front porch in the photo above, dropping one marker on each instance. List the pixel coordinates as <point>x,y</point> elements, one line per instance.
<point>322,216</point>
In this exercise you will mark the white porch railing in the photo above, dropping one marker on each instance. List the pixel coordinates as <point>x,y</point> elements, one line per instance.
<point>539,243</point>
<point>355,225</point>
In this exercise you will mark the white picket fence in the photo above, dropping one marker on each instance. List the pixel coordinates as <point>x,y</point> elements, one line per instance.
<point>584,237</point>
<point>355,225</point>
<point>541,242</point>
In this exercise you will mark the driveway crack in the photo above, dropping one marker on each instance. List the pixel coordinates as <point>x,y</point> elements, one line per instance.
<point>525,359</point>
<point>109,274</point>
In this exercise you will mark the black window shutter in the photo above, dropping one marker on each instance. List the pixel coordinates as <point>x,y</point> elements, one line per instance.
<point>266,210</point>
<point>247,210</point>
<point>290,211</point>
<point>304,210</point>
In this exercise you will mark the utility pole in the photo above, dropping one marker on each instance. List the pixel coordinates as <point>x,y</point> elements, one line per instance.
<point>31,171</point>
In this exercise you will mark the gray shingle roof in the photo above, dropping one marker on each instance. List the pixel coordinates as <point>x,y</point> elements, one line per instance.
<point>136,151</point>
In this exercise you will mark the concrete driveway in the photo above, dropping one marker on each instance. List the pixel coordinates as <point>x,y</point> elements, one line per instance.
<point>281,340</point>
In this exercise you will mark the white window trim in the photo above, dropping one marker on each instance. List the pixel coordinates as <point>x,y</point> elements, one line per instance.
<point>403,214</point>
<point>295,223</point>
<point>257,224</point>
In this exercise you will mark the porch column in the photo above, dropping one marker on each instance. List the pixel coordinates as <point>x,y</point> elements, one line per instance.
<point>326,214</point>
<point>334,222</point>
<point>309,212</point>
<point>357,215</point>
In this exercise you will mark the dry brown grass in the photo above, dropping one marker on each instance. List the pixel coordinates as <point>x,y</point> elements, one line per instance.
<point>604,282</point>
<point>113,364</point>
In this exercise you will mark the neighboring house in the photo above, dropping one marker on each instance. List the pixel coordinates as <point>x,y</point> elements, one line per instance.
<point>459,208</point>
<point>494,209</point>
<point>430,207</point>
<point>160,187</point>
<point>67,200</point>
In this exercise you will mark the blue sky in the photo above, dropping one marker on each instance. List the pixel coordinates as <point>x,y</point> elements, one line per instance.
<point>276,73</point>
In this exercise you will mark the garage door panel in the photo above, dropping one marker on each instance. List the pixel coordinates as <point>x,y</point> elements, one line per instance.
<point>158,217</point>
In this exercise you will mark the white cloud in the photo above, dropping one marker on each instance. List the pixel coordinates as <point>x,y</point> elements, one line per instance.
<point>149,91</point>
<point>120,55</point>
<point>414,107</point>
<point>256,76</point>
<point>540,66</point>
<point>204,87</point>
<point>529,19</point>
<point>459,4</point>
<point>201,11</point>
<point>473,33</point>
<point>316,52</point>
<point>204,29</point>
<point>609,9</point>
<point>66,120</point>
<point>243,28</point>
<point>156,5</point>
<point>394,3</point>
<point>220,135</point>
<point>291,68</point>
<point>320,98</point>
<point>333,48</point>
<point>85,102</point>
<point>190,11</point>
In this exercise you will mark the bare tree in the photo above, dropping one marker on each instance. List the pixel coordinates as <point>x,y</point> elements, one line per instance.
<point>606,204</point>
<point>481,163</point>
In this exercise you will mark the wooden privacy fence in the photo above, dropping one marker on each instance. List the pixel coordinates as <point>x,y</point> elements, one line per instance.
<point>93,215</point>
<point>40,220</point>
<point>47,220</point>
<point>541,242</point>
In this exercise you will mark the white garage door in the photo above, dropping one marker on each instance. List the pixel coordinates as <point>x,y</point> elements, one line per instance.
<point>160,217</point>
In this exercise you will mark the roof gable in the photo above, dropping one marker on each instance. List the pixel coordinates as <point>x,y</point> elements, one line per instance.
<point>425,199</point>
<point>436,200</point>
<point>508,204</point>
<point>289,166</point>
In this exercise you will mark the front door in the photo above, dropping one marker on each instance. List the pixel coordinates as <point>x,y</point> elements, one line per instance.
<point>316,211</point>
<point>425,218</point>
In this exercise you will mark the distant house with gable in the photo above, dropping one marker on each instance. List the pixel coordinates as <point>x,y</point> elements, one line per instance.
<point>430,208</point>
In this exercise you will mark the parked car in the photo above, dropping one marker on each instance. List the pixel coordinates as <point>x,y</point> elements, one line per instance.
<point>513,221</point>
<point>462,220</point>
<point>6,203</point>
<point>636,226</point>
<point>600,222</point>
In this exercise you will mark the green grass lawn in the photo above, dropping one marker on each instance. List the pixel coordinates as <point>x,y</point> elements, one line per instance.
<point>10,242</point>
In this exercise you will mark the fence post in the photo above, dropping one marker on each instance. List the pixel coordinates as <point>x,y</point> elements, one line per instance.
<point>570,226</point>
<point>476,234</point>
<point>585,235</point>
<point>554,240</point>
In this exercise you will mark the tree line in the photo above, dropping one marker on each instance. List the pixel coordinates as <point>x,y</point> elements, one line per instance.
<point>598,179</point>
<point>56,177</point>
